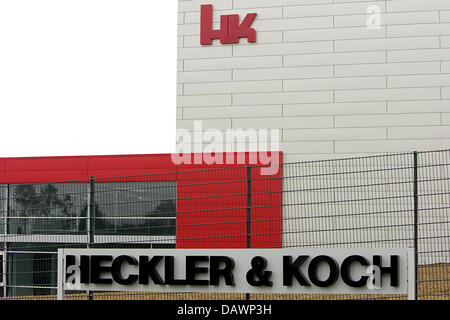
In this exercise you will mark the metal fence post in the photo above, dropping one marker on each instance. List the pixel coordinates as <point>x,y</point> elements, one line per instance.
<point>91,212</point>
<point>60,275</point>
<point>249,212</point>
<point>416,221</point>
<point>91,220</point>
<point>5,245</point>
<point>249,205</point>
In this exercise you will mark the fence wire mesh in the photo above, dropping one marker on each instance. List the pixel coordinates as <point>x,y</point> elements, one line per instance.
<point>386,201</point>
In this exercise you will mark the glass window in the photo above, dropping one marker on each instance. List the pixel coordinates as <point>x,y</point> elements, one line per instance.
<point>51,208</point>
<point>135,208</point>
<point>32,268</point>
<point>121,208</point>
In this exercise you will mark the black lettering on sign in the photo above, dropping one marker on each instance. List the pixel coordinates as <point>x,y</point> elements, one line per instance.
<point>116,270</point>
<point>192,269</point>
<point>313,271</point>
<point>147,268</point>
<point>345,271</point>
<point>292,269</point>
<point>392,270</point>
<point>169,272</point>
<point>97,269</point>
<point>257,276</point>
<point>84,267</point>
<point>204,270</point>
<point>216,272</point>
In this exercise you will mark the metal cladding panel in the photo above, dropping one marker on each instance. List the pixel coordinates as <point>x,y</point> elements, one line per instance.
<point>337,78</point>
<point>212,200</point>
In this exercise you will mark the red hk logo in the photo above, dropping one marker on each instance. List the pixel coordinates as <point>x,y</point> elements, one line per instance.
<point>230,29</point>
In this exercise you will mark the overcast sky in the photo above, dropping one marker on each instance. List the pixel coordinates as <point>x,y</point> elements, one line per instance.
<point>82,77</point>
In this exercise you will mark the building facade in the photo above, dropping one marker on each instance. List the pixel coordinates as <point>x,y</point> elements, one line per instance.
<point>333,78</point>
<point>338,78</point>
<point>144,201</point>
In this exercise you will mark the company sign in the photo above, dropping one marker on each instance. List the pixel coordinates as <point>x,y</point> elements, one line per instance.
<point>357,271</point>
<point>230,29</point>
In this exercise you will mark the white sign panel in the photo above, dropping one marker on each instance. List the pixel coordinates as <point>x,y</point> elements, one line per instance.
<point>333,271</point>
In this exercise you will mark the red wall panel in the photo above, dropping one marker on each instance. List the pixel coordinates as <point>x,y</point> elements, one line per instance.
<point>211,199</point>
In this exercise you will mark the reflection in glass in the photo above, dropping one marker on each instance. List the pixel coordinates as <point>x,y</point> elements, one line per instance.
<point>59,207</point>
<point>121,208</point>
<point>32,268</point>
<point>129,208</point>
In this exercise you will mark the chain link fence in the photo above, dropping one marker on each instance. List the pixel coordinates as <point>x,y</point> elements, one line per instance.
<point>385,201</point>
